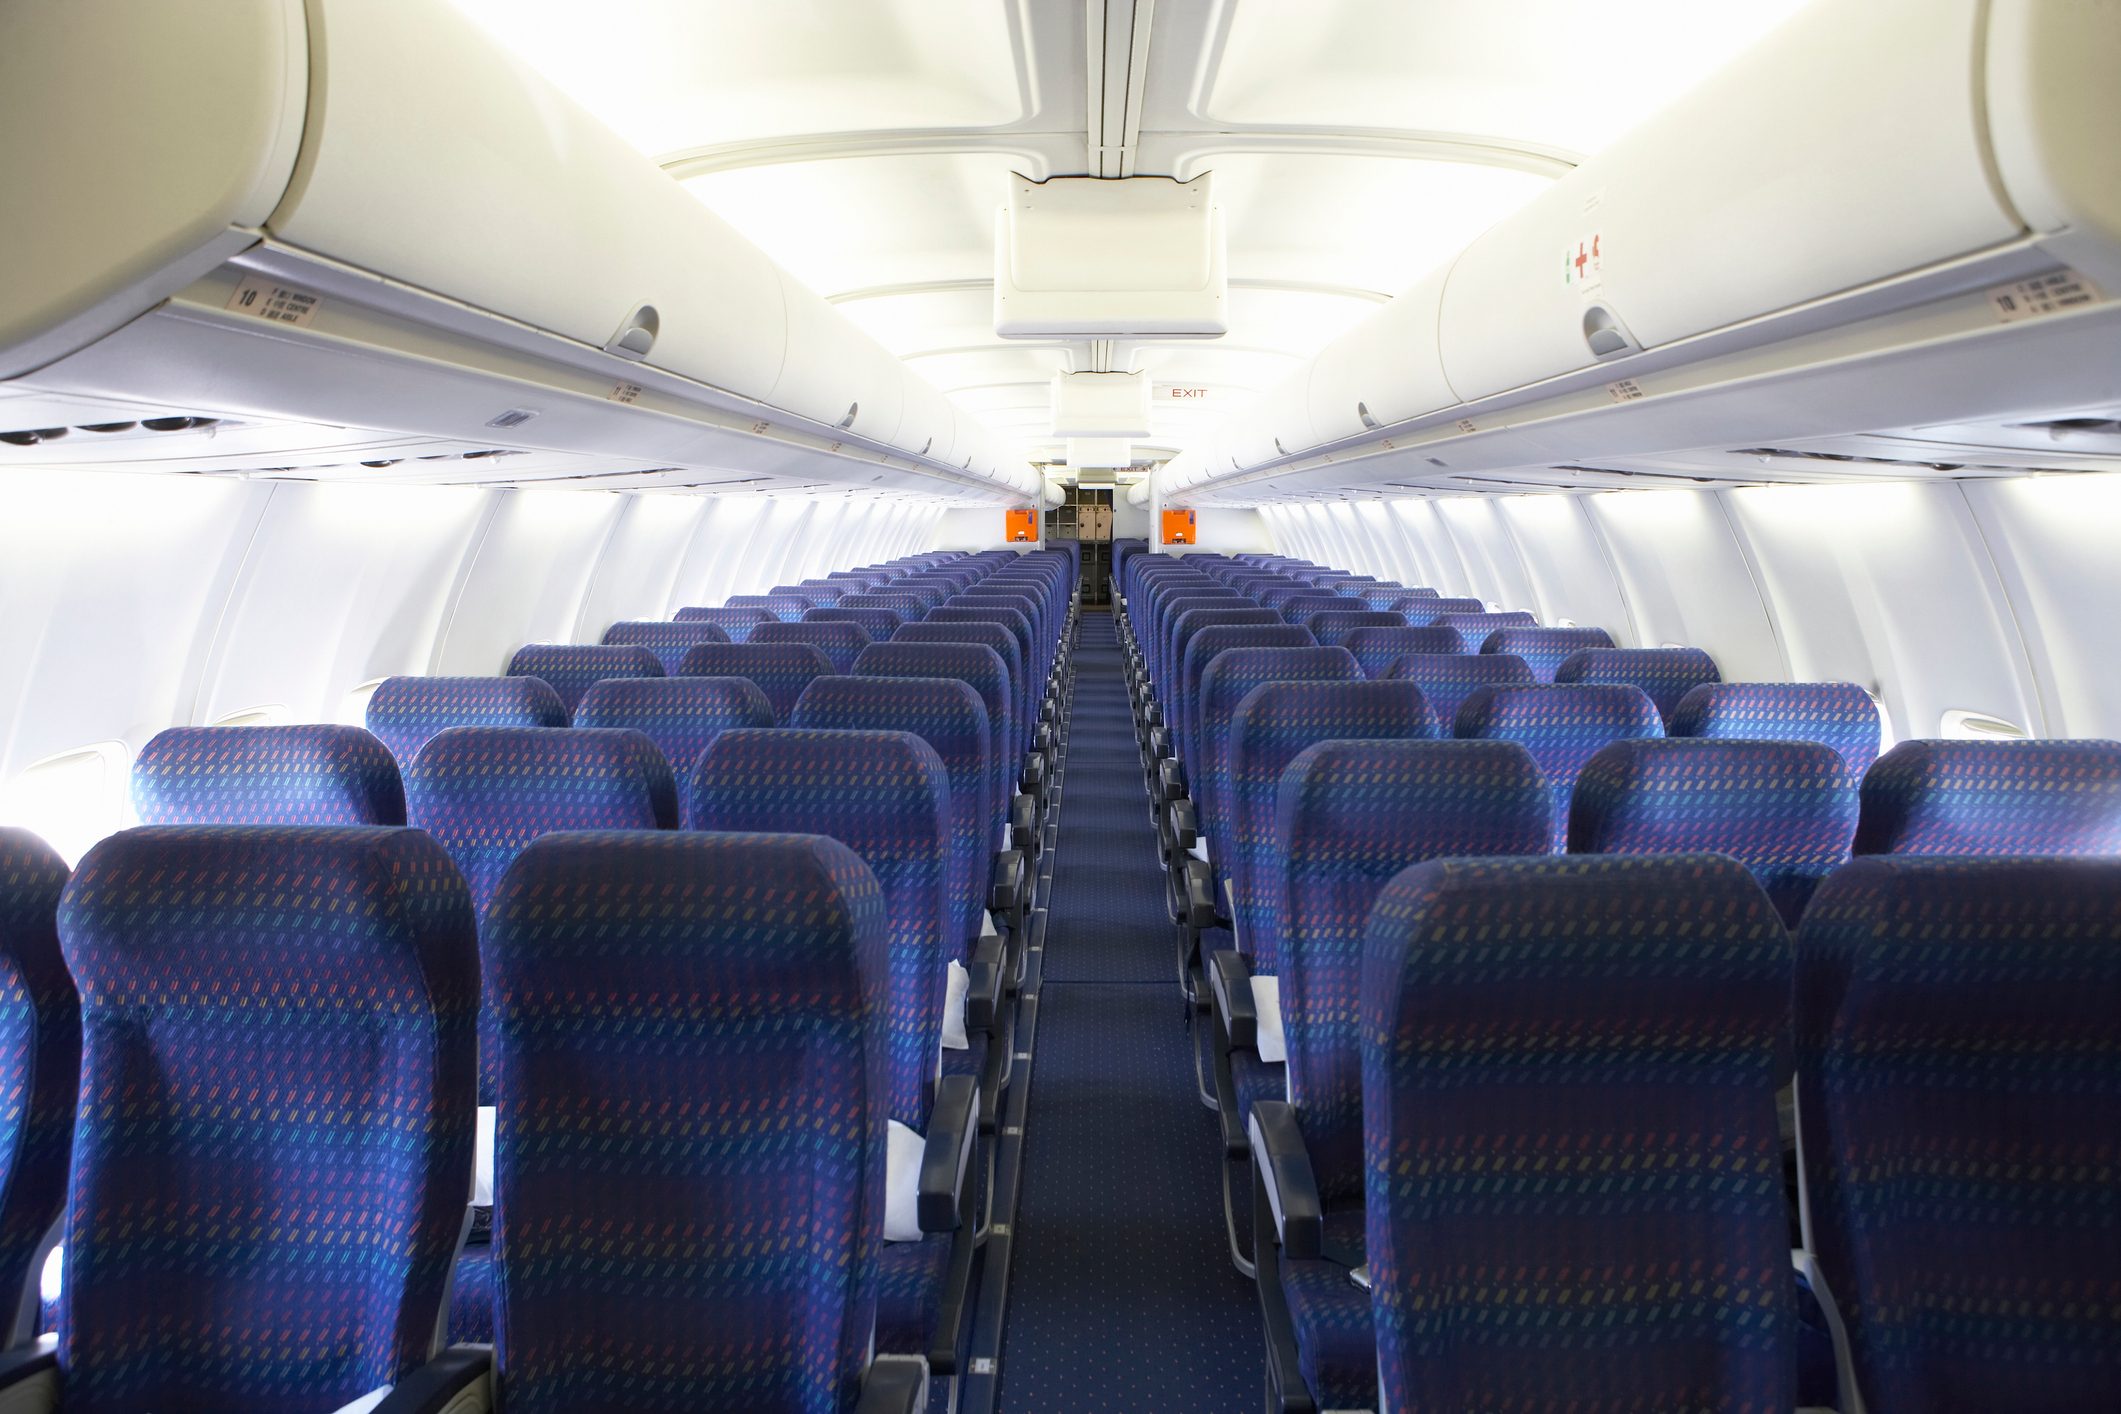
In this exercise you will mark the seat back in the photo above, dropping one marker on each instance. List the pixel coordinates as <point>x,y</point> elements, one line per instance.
<point>1348,816</point>
<point>841,643</point>
<point>1425,610</point>
<point>40,1066</point>
<point>1563,726</point>
<point>1961,1115</point>
<point>1335,625</point>
<point>979,668</point>
<point>1667,675</point>
<point>1225,682</point>
<point>1376,649</point>
<point>948,715</point>
<point>405,713</point>
<point>274,1141</point>
<point>292,775</point>
<point>884,795</point>
<point>657,995</point>
<point>737,622</point>
<point>1786,810</point>
<point>669,641</point>
<point>571,667</point>
<point>1475,627</point>
<point>879,624</point>
<point>911,608</point>
<point>1993,797</point>
<point>1448,679</point>
<point>788,608</point>
<point>1005,646</point>
<point>682,716</point>
<point>1544,649</point>
<point>779,670</point>
<point>1569,1070</point>
<point>1202,649</point>
<point>1381,595</point>
<point>1837,714</point>
<point>1300,608</point>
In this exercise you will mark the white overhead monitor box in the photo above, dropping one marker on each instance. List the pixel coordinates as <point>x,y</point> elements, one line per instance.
<point>1100,452</point>
<point>1101,405</point>
<point>1085,257</point>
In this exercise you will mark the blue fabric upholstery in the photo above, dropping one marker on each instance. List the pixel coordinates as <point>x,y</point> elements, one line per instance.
<point>1299,609</point>
<point>1572,1160</point>
<point>737,623</point>
<point>1544,649</point>
<point>841,643</point>
<point>40,1056</point>
<point>1993,797</point>
<point>1837,714</point>
<point>571,667</point>
<point>1005,646</point>
<point>1786,810</point>
<point>295,775</point>
<point>1202,649</point>
<point>1176,687</point>
<point>1563,726</point>
<point>1376,649</point>
<point>948,715</point>
<point>1221,778</point>
<point>879,624</point>
<point>682,716</point>
<point>780,670</point>
<point>909,607</point>
<point>788,608</point>
<point>1666,674</point>
<point>690,1027</point>
<point>885,796</point>
<point>274,1140</point>
<point>1011,619</point>
<point>979,668</point>
<point>405,713</point>
<point>1382,595</point>
<point>669,641</point>
<point>1423,611</point>
<point>1475,627</point>
<point>1957,1022</point>
<point>1333,626</point>
<point>1350,815</point>
<point>1448,679</point>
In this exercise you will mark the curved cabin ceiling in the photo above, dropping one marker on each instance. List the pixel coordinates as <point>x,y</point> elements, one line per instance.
<point>1355,145</point>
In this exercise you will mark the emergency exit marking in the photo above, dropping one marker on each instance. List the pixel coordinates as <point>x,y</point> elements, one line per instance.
<point>263,299</point>
<point>624,393</point>
<point>2041,296</point>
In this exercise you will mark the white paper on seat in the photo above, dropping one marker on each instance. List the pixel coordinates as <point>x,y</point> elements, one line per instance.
<point>1200,850</point>
<point>902,1184</point>
<point>1266,1004</point>
<point>960,981</point>
<point>986,925</point>
<point>366,1402</point>
<point>482,1160</point>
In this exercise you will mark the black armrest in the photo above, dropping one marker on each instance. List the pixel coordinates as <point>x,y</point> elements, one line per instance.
<point>1153,712</point>
<point>1284,1167</point>
<point>1159,742</point>
<point>1171,779</point>
<point>26,1362</point>
<point>439,1383</point>
<point>894,1384</point>
<point>1023,821</point>
<point>953,1128</point>
<point>1032,779</point>
<point>1007,883</point>
<point>983,989</point>
<point>1231,973</point>
<point>1198,880</point>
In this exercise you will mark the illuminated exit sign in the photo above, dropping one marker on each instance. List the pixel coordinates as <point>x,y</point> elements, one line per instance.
<point>1181,393</point>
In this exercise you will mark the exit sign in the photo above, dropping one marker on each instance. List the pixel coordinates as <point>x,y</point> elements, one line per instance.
<point>1181,393</point>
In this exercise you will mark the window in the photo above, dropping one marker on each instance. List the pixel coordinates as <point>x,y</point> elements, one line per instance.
<point>353,711</point>
<point>272,715</point>
<point>71,800</point>
<point>1564,623</point>
<point>1961,725</point>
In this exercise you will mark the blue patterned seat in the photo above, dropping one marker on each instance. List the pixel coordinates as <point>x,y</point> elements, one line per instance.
<point>670,641</point>
<point>682,716</point>
<point>1383,594</point>
<point>979,668</point>
<point>571,667</point>
<point>1957,1022</point>
<point>780,670</point>
<point>1005,646</point>
<point>1786,810</point>
<point>1221,779</point>
<point>885,796</point>
<point>1298,610</point>
<point>1376,649</point>
<point>1167,610</point>
<point>1666,674</point>
<point>1475,627</point>
<point>1349,816</point>
<point>788,608</point>
<point>909,607</point>
<point>819,592</point>
<point>737,623</point>
<point>1175,685</point>
<point>948,715</point>
<point>1563,726</point>
<point>1837,714</point>
<point>1424,610</point>
<point>879,624</point>
<point>1993,797</point>
<point>1334,626</point>
<point>1448,679</point>
<point>274,1139</point>
<point>1202,649</point>
<point>40,1057</point>
<point>1019,627</point>
<point>293,775</point>
<point>1572,1159</point>
<point>841,643</point>
<point>1543,649</point>
<point>405,713</point>
<point>659,996</point>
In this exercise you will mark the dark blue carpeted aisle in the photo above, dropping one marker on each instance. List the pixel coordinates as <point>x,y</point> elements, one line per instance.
<point>1122,1296</point>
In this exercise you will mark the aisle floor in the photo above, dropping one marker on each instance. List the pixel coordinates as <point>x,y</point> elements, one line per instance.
<point>1122,1296</point>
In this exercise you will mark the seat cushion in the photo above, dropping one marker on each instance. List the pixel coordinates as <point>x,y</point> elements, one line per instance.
<point>1336,1347</point>
<point>471,1297</point>
<point>1256,1080</point>
<point>909,1286</point>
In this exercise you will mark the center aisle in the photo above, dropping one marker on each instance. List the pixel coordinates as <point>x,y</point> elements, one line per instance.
<point>1122,1296</point>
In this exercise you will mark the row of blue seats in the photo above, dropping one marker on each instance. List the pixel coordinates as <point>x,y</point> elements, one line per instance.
<point>488,798</point>
<point>1322,784</point>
